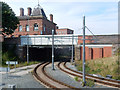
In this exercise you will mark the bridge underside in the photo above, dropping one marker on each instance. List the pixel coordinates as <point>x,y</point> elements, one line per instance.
<point>44,53</point>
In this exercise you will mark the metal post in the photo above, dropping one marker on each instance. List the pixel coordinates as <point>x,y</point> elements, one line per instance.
<point>15,66</point>
<point>72,51</point>
<point>27,51</point>
<point>84,50</point>
<point>28,43</point>
<point>53,50</point>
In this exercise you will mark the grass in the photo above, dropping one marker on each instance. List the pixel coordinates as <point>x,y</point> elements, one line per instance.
<point>22,64</point>
<point>76,78</point>
<point>89,83</point>
<point>103,67</point>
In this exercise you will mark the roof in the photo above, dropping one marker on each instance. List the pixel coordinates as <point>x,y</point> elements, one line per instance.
<point>25,17</point>
<point>38,11</point>
<point>65,29</point>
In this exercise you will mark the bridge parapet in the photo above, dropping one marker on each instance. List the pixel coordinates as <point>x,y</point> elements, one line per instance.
<point>47,40</point>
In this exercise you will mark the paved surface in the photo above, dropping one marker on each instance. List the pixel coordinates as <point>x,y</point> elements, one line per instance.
<point>61,76</point>
<point>22,78</point>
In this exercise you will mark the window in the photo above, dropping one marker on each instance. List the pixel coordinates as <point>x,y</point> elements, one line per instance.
<point>27,27</point>
<point>41,32</point>
<point>44,28</point>
<point>35,27</point>
<point>20,28</point>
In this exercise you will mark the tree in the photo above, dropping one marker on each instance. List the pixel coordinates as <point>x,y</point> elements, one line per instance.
<point>9,20</point>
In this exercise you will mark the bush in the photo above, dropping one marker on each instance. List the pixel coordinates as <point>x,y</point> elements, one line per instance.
<point>8,56</point>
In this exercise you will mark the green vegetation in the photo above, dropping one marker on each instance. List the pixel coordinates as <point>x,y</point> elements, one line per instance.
<point>103,67</point>
<point>76,78</point>
<point>9,20</point>
<point>8,54</point>
<point>89,83</point>
<point>21,64</point>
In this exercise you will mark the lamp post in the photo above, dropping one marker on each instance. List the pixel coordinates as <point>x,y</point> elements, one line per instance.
<point>53,50</point>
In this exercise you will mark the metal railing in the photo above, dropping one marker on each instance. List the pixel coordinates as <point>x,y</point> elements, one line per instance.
<point>47,40</point>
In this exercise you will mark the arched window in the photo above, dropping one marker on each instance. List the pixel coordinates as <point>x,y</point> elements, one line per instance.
<point>20,27</point>
<point>35,27</point>
<point>27,27</point>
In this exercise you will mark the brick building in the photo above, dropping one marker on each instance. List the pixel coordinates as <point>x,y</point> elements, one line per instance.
<point>64,31</point>
<point>36,23</point>
<point>93,51</point>
<point>99,47</point>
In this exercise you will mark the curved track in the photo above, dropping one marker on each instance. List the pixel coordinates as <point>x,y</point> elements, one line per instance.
<point>62,66</point>
<point>42,76</point>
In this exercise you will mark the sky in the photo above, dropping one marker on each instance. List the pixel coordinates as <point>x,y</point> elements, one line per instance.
<point>101,15</point>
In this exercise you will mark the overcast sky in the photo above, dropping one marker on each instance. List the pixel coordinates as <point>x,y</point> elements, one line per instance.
<point>101,15</point>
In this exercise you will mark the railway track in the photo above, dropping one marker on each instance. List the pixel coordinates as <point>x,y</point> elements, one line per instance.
<point>62,66</point>
<point>41,75</point>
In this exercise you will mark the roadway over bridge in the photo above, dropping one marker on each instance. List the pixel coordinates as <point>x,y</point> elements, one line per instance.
<point>47,40</point>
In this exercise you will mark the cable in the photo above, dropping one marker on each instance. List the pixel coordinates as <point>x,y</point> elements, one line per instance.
<point>91,32</point>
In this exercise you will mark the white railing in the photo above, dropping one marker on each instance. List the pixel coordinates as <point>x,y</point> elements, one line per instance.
<point>47,40</point>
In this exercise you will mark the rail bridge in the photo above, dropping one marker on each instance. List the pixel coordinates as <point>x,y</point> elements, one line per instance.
<point>40,46</point>
<point>47,40</point>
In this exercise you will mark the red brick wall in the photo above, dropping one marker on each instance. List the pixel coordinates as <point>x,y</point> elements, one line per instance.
<point>41,23</point>
<point>107,51</point>
<point>87,53</point>
<point>64,31</point>
<point>86,41</point>
<point>49,26</point>
<point>95,53</point>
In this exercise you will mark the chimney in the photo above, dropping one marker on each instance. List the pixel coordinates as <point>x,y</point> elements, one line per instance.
<point>51,17</point>
<point>57,27</point>
<point>29,11</point>
<point>21,12</point>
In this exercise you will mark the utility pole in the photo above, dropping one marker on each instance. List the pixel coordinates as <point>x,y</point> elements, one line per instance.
<point>27,49</point>
<point>84,50</point>
<point>28,44</point>
<point>53,50</point>
<point>72,50</point>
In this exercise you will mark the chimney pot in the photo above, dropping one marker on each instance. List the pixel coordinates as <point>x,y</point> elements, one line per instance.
<point>29,11</point>
<point>21,12</point>
<point>51,17</point>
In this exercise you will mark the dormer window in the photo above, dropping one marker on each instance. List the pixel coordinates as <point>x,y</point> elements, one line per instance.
<point>35,27</point>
